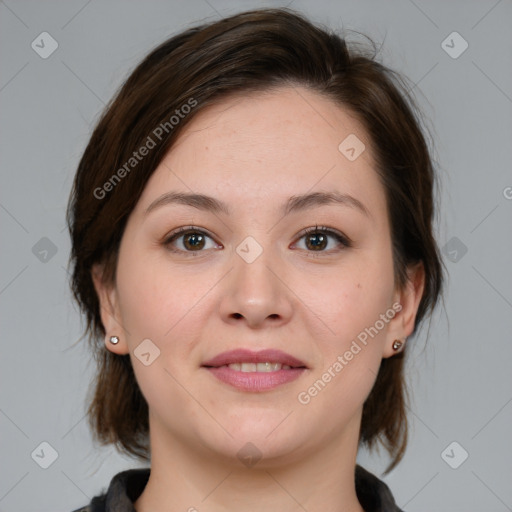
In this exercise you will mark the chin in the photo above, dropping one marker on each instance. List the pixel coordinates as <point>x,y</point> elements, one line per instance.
<point>259,451</point>
<point>264,435</point>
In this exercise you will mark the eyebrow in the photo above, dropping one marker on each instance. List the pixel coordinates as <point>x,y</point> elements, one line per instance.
<point>293,205</point>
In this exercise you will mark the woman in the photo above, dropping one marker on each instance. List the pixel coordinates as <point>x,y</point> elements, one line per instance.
<point>252,245</point>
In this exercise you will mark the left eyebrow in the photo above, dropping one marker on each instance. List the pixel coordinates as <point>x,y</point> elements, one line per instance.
<point>293,205</point>
<point>306,201</point>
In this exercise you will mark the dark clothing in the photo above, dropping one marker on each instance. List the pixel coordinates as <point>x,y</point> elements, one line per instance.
<point>125,488</point>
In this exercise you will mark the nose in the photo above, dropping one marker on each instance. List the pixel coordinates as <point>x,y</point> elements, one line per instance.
<point>256,293</point>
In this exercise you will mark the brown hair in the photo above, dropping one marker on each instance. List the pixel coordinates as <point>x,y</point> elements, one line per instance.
<point>251,51</point>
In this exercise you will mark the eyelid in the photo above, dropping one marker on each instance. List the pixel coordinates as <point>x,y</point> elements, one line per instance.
<point>338,235</point>
<point>183,230</point>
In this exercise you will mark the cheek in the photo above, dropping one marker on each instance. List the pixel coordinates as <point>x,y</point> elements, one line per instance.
<point>349,300</point>
<point>351,305</point>
<point>155,304</point>
<point>351,345</point>
<point>154,298</point>
<point>354,307</point>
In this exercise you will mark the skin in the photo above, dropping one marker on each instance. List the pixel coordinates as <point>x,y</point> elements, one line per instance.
<point>253,153</point>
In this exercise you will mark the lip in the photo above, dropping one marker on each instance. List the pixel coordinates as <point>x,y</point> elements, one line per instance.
<point>254,381</point>
<point>247,356</point>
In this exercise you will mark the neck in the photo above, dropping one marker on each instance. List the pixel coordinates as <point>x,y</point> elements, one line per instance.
<point>189,478</point>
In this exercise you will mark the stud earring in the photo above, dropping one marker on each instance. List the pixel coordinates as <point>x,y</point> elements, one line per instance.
<point>397,345</point>
<point>114,340</point>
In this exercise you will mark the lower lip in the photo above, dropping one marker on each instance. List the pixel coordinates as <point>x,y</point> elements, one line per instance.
<point>255,381</point>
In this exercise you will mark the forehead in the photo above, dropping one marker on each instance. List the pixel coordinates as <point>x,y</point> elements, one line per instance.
<point>270,145</point>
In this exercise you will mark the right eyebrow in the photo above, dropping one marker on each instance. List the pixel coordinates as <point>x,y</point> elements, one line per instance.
<point>294,203</point>
<point>199,201</point>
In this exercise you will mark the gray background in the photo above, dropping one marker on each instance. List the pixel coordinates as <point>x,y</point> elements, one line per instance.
<point>461,376</point>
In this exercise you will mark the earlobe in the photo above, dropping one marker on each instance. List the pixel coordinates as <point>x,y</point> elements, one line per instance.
<point>115,339</point>
<point>397,345</point>
<point>114,344</point>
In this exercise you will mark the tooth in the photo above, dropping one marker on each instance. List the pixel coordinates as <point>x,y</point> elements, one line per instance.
<point>258,367</point>
<point>262,367</point>
<point>268,367</point>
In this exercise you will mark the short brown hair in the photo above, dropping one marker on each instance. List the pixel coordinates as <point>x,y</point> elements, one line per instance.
<point>251,51</point>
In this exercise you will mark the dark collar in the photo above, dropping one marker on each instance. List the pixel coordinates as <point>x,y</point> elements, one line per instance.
<point>125,487</point>
<point>373,494</point>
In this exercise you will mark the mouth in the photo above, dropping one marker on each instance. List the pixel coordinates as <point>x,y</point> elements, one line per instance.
<point>247,361</point>
<point>255,371</point>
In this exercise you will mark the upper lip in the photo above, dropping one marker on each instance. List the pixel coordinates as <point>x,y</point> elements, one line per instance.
<point>247,356</point>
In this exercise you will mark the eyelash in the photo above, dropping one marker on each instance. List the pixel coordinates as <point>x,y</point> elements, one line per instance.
<point>339,237</point>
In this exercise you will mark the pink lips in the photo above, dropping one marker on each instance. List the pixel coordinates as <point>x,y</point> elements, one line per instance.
<point>246,356</point>
<point>254,381</point>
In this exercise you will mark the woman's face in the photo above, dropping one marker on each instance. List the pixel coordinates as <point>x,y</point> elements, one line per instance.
<point>245,275</point>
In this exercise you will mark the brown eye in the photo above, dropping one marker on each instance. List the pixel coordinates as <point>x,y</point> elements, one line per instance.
<point>317,239</point>
<point>193,241</point>
<point>189,240</point>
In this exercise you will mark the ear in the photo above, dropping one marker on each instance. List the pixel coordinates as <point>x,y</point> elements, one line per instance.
<point>109,311</point>
<point>409,298</point>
